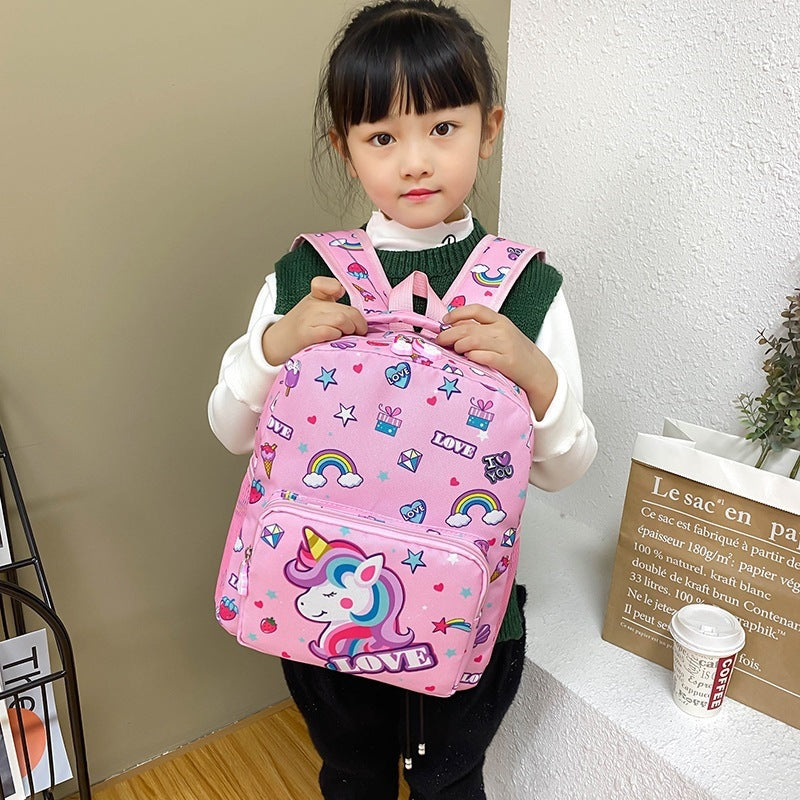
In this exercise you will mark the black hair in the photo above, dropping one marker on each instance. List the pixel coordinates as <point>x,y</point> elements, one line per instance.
<point>426,55</point>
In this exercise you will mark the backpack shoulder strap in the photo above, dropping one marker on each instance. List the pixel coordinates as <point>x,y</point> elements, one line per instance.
<point>352,259</point>
<point>490,272</point>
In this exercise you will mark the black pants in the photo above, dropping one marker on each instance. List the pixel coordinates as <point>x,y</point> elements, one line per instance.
<point>358,727</point>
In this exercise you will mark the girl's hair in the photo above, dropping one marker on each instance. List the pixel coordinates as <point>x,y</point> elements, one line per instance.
<point>425,55</point>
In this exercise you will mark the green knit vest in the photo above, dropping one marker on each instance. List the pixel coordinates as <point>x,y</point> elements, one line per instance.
<point>526,306</point>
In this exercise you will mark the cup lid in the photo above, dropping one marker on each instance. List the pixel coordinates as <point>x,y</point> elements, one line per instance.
<point>707,629</point>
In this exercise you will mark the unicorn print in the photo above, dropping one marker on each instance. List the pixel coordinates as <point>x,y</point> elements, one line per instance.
<point>354,595</point>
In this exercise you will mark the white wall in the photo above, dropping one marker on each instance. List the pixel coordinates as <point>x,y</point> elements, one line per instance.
<point>654,150</point>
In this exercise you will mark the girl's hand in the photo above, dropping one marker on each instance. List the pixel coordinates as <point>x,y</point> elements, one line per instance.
<point>316,318</point>
<point>490,339</point>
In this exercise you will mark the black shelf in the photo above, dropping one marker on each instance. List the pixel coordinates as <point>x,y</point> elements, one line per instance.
<point>13,598</point>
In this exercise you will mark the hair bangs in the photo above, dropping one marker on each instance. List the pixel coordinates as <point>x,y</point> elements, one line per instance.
<point>408,64</point>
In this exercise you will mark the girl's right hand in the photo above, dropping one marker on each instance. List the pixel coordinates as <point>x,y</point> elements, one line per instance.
<point>316,318</point>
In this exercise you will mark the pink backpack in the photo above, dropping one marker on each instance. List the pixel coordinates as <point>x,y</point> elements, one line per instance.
<point>376,530</point>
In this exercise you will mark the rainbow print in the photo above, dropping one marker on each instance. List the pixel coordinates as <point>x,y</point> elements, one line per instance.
<point>459,513</point>
<point>443,625</point>
<point>346,244</point>
<point>481,277</point>
<point>348,474</point>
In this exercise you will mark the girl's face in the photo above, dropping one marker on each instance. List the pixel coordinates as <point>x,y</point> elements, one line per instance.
<point>419,168</point>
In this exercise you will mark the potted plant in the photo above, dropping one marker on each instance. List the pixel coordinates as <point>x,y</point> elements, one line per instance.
<point>773,418</point>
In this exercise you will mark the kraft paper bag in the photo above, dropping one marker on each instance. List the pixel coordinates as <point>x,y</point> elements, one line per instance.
<point>701,525</point>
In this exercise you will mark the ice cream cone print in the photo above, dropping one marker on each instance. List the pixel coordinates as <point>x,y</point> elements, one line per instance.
<point>502,566</point>
<point>268,457</point>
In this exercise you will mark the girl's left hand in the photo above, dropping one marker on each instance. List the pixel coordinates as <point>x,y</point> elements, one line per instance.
<point>493,340</point>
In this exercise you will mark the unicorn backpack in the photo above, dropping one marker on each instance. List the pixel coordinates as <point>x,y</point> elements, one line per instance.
<point>375,532</point>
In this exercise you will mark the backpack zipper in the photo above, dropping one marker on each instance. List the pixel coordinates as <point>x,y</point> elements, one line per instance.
<point>242,585</point>
<point>280,500</point>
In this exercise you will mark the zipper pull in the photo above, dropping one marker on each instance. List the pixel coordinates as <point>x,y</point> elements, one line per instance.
<point>401,345</point>
<point>244,571</point>
<point>429,352</point>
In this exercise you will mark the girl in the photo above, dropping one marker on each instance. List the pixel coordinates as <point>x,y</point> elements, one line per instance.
<point>408,104</point>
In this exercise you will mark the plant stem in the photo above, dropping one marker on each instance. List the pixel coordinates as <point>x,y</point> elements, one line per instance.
<point>795,468</point>
<point>762,458</point>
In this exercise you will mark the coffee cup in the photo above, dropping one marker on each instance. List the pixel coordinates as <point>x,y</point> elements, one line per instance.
<point>707,640</point>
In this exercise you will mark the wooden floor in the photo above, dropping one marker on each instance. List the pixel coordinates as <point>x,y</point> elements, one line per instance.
<point>266,757</point>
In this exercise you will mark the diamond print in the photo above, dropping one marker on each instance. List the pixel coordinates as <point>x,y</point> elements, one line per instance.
<point>409,459</point>
<point>509,538</point>
<point>272,535</point>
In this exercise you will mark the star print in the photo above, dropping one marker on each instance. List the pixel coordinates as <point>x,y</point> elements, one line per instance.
<point>440,626</point>
<point>344,530</point>
<point>522,494</point>
<point>326,378</point>
<point>452,558</point>
<point>450,653</point>
<point>302,447</point>
<point>414,560</point>
<point>466,592</point>
<point>383,476</point>
<point>251,637</point>
<point>483,436</point>
<point>346,414</point>
<point>272,595</point>
<point>450,387</point>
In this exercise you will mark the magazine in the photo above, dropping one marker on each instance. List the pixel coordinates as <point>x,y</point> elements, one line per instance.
<point>23,659</point>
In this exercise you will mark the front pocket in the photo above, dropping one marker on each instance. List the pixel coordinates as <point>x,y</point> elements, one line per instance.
<point>382,598</point>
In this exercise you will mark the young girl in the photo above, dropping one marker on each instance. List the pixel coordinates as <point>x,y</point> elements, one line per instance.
<point>409,106</point>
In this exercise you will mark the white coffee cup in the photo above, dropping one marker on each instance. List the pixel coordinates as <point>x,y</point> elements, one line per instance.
<point>707,640</point>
